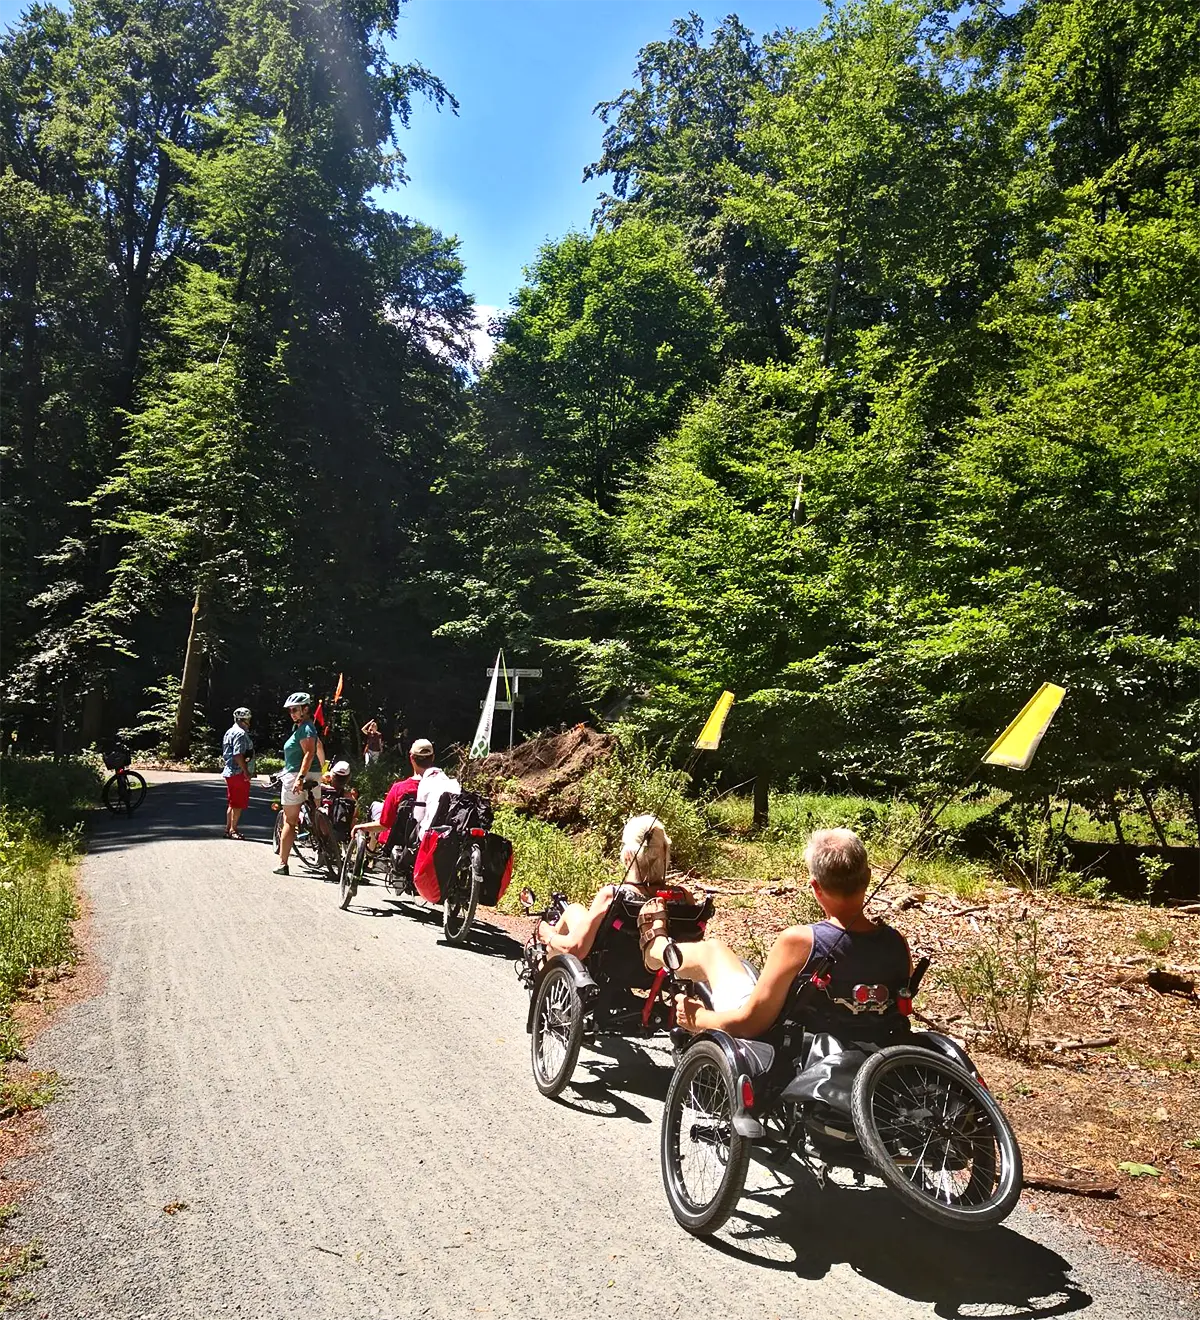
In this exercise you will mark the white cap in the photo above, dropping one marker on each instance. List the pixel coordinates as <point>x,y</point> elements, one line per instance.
<point>340,768</point>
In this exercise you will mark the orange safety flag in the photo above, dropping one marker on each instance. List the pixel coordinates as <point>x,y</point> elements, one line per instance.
<point>337,696</point>
<point>1016,745</point>
<point>710,735</point>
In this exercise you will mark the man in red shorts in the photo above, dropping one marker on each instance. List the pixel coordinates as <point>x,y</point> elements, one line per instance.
<point>237,749</point>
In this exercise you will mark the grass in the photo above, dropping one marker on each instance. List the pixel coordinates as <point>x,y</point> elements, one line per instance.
<point>1155,941</point>
<point>42,803</point>
<point>18,1095</point>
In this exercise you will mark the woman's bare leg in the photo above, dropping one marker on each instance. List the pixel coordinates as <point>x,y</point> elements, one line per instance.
<point>291,817</point>
<point>711,961</point>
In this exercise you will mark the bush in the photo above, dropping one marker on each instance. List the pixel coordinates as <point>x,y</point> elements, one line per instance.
<point>1000,983</point>
<point>57,793</point>
<point>629,783</point>
<point>548,860</point>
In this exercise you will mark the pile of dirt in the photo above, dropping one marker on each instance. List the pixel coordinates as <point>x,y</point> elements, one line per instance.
<point>542,775</point>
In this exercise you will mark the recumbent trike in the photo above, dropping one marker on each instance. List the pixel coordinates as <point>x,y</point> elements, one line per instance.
<point>907,1107</point>
<point>458,863</point>
<point>608,993</point>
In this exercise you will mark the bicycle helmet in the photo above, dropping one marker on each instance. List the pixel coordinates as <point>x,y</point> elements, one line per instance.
<point>298,699</point>
<point>242,713</point>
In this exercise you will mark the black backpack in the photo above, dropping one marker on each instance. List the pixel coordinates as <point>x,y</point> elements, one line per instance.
<point>463,812</point>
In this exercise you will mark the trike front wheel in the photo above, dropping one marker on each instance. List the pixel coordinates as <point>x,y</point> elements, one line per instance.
<point>704,1160</point>
<point>557,1031</point>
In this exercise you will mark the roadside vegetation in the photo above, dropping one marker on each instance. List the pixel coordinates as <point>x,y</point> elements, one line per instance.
<point>42,803</point>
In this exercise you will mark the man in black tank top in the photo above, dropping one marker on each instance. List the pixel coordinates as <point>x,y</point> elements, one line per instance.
<point>867,953</point>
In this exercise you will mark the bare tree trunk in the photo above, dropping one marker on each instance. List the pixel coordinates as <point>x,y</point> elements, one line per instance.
<point>181,738</point>
<point>762,806</point>
<point>93,716</point>
<point>1158,829</point>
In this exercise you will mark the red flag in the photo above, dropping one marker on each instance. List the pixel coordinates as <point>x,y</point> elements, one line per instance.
<point>337,696</point>
<point>319,716</point>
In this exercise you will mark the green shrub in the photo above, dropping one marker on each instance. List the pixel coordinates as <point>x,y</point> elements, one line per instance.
<point>1000,983</point>
<point>57,793</point>
<point>630,783</point>
<point>549,860</point>
<point>156,728</point>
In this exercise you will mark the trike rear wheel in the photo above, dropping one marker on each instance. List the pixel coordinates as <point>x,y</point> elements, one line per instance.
<point>704,1160</point>
<point>937,1137</point>
<point>557,1031</point>
<point>458,911</point>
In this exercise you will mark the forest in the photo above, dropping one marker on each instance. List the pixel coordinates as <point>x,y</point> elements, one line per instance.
<point>872,394</point>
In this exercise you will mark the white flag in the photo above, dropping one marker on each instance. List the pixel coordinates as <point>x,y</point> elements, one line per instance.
<point>481,744</point>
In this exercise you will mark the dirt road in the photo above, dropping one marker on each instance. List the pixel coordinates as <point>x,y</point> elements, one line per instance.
<point>340,1106</point>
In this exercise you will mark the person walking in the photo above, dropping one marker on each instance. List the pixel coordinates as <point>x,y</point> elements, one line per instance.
<point>301,772</point>
<point>237,751</point>
<point>372,742</point>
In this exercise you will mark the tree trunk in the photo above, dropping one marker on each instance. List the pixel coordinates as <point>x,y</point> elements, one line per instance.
<point>1158,829</point>
<point>93,716</point>
<point>762,812</point>
<point>181,738</point>
<point>60,724</point>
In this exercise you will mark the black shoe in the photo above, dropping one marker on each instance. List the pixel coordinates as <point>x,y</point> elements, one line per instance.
<point>281,870</point>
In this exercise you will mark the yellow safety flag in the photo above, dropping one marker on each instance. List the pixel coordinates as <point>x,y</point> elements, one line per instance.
<point>710,735</point>
<point>1016,745</point>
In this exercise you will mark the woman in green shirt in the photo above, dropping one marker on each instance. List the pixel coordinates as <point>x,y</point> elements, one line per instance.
<point>301,772</point>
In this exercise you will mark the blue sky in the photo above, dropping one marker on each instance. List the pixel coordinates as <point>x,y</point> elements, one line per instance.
<point>505,174</point>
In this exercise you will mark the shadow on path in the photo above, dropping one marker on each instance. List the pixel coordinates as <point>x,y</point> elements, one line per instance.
<point>804,1229</point>
<point>190,810</point>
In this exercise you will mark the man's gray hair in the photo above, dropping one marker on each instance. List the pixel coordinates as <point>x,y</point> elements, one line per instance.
<point>837,861</point>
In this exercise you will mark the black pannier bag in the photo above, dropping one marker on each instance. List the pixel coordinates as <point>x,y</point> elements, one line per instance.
<point>340,810</point>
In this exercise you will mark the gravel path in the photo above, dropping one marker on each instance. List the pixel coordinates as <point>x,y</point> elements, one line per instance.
<point>343,1105</point>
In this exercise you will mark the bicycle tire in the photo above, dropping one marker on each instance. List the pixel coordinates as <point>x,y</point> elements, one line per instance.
<point>136,791</point>
<point>303,844</point>
<point>456,916</point>
<point>558,1017</point>
<point>351,872</point>
<point>111,796</point>
<point>900,1096</point>
<point>704,1082</point>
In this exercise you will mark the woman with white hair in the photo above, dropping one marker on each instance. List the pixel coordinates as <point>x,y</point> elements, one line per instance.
<point>645,856</point>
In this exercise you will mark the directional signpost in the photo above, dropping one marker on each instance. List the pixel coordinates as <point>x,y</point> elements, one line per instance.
<point>511,706</point>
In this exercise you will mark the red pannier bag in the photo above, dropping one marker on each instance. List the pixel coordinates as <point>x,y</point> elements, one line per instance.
<point>439,854</point>
<point>429,863</point>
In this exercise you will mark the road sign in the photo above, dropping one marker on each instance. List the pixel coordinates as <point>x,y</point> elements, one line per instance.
<point>511,706</point>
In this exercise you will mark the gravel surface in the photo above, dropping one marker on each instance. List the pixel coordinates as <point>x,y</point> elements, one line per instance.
<point>339,1109</point>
